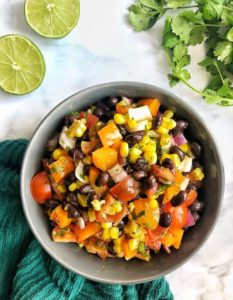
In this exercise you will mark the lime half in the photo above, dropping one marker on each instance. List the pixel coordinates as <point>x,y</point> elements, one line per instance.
<point>52,18</point>
<point>22,66</point>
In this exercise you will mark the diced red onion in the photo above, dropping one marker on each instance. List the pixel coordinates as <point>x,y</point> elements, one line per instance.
<point>117,173</point>
<point>179,140</point>
<point>190,220</point>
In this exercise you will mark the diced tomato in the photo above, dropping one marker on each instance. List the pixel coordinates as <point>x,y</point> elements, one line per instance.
<point>93,175</point>
<point>82,114</point>
<point>98,247</point>
<point>163,173</point>
<point>87,147</point>
<point>126,190</point>
<point>179,214</point>
<point>117,173</point>
<point>89,230</point>
<point>60,216</point>
<point>154,237</point>
<point>116,145</point>
<point>41,188</point>
<point>191,197</point>
<point>153,105</point>
<point>64,235</point>
<point>61,168</point>
<point>91,121</point>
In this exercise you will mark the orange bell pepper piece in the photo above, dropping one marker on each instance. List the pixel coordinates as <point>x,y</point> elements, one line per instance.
<point>89,230</point>
<point>128,254</point>
<point>109,134</point>
<point>104,158</point>
<point>116,146</point>
<point>64,236</point>
<point>153,105</point>
<point>61,167</point>
<point>170,193</point>
<point>191,197</point>
<point>60,216</point>
<point>87,147</point>
<point>173,238</point>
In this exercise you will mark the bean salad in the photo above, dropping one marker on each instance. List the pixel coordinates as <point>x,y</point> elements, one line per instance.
<point>121,179</point>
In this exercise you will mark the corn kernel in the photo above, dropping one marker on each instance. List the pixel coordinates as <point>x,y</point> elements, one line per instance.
<point>151,157</point>
<point>62,188</point>
<point>119,119</point>
<point>118,241</point>
<point>165,139</point>
<point>162,130</point>
<point>168,123</point>
<point>148,125</point>
<point>131,207</point>
<point>73,186</point>
<point>76,129</point>
<point>114,233</point>
<point>145,140</point>
<point>133,244</point>
<point>153,203</point>
<point>197,174</point>
<point>91,215</point>
<point>96,205</point>
<point>132,123</point>
<point>118,207</point>
<point>106,225</point>
<point>134,154</point>
<point>106,234</point>
<point>82,199</point>
<point>152,134</point>
<point>79,184</point>
<point>57,153</point>
<point>124,149</point>
<point>168,113</point>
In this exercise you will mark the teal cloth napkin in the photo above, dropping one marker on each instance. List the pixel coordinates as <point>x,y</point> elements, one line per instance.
<point>26,271</point>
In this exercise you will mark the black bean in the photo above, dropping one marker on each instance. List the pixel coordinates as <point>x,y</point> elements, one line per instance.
<point>123,130</point>
<point>76,154</point>
<point>111,101</point>
<point>179,199</point>
<point>103,179</point>
<point>53,203</point>
<point>129,169</point>
<point>168,163</point>
<point>196,217</point>
<point>140,164</point>
<point>178,151</point>
<point>85,189</point>
<point>181,125</point>
<point>165,220</point>
<point>135,137</point>
<point>151,181</point>
<point>70,119</point>
<point>53,224</point>
<point>122,223</point>
<point>99,112</point>
<point>73,211</point>
<point>157,121</point>
<point>197,164</point>
<point>197,206</point>
<point>138,175</point>
<point>71,198</point>
<point>84,137</point>
<point>70,178</point>
<point>196,149</point>
<point>111,250</point>
<point>86,170</point>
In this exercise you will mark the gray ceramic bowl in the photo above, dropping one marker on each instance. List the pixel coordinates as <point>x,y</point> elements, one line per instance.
<point>118,270</point>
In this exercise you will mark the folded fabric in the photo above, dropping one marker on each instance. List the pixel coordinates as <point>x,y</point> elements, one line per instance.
<point>27,271</point>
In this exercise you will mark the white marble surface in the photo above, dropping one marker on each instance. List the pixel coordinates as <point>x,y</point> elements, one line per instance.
<point>103,48</point>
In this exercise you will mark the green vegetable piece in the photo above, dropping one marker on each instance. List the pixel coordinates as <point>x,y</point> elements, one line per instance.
<point>177,3</point>
<point>224,51</point>
<point>211,9</point>
<point>229,35</point>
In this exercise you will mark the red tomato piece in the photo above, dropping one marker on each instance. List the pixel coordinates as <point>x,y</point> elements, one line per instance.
<point>163,173</point>
<point>126,190</point>
<point>41,188</point>
<point>179,215</point>
<point>191,197</point>
<point>91,121</point>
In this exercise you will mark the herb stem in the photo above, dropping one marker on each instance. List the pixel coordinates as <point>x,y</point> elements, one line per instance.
<point>211,25</point>
<point>219,72</point>
<point>181,7</point>
<point>227,8</point>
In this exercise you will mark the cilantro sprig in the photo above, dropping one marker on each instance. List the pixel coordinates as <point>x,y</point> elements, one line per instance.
<point>200,21</point>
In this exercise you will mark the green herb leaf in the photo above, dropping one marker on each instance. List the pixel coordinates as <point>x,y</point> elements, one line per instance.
<point>229,35</point>
<point>153,4</point>
<point>211,9</point>
<point>177,3</point>
<point>170,39</point>
<point>224,51</point>
<point>134,215</point>
<point>142,213</point>
<point>142,18</point>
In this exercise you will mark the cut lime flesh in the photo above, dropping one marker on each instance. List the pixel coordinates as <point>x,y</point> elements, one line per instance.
<point>22,65</point>
<point>52,18</point>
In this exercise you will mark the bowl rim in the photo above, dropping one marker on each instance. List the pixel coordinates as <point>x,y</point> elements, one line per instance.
<point>119,84</point>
